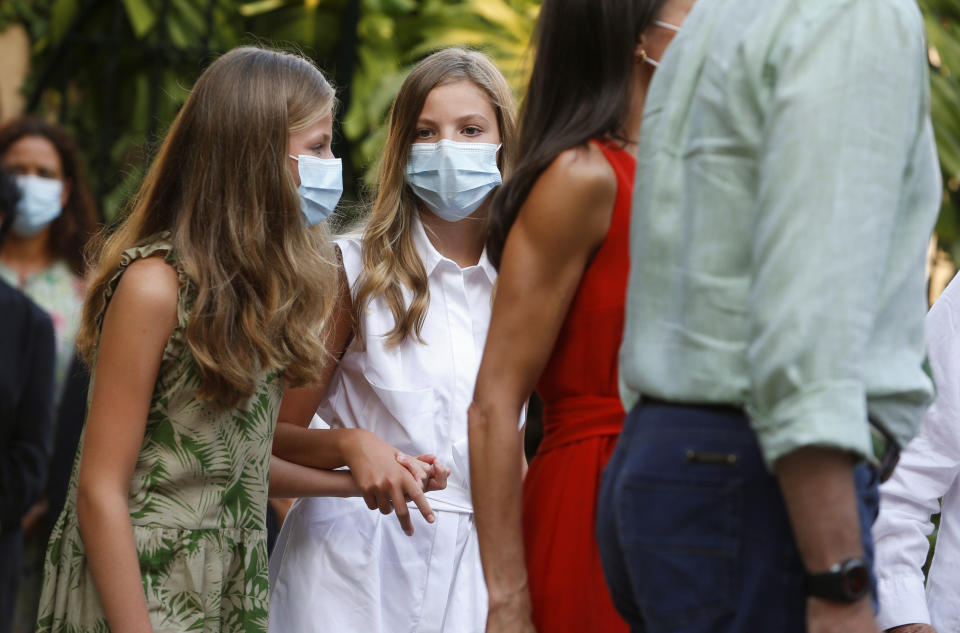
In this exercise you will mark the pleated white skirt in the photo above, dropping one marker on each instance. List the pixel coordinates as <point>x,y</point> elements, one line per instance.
<point>339,567</point>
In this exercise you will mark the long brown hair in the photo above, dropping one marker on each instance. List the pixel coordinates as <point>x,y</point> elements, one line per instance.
<point>579,89</point>
<point>263,283</point>
<point>76,224</point>
<point>390,259</point>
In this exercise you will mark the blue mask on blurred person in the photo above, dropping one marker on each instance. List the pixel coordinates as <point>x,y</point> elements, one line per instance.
<point>453,179</point>
<point>39,204</point>
<point>321,185</point>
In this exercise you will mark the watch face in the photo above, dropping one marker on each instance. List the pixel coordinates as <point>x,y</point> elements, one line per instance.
<point>856,578</point>
<point>846,582</point>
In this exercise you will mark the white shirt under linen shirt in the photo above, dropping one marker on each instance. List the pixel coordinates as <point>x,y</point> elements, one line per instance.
<point>929,470</point>
<point>339,566</point>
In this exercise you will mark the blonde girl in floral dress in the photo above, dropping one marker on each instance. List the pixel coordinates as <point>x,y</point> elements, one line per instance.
<point>206,302</point>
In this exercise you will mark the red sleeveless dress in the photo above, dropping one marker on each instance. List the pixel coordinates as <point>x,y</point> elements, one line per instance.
<point>582,419</point>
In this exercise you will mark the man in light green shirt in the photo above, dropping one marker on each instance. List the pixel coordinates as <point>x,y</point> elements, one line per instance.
<point>787,185</point>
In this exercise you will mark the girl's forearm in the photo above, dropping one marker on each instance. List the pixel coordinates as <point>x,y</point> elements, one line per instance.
<point>112,555</point>
<point>317,448</point>
<point>293,480</point>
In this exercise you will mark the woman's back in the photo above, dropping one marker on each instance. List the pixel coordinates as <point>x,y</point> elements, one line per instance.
<point>582,420</point>
<point>582,370</point>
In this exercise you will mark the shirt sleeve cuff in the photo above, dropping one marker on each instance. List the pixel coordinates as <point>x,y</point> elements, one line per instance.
<point>831,416</point>
<point>902,601</point>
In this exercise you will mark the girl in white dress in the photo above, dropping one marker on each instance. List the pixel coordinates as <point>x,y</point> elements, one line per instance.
<point>412,329</point>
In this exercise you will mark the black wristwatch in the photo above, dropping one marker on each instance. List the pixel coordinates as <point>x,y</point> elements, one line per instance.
<point>844,582</point>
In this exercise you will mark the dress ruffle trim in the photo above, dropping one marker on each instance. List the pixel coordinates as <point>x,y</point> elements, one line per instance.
<point>160,245</point>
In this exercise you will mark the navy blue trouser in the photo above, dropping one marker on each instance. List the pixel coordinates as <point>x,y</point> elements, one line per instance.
<point>693,531</point>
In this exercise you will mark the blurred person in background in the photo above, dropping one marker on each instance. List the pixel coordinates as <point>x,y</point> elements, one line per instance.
<point>26,412</point>
<point>43,257</point>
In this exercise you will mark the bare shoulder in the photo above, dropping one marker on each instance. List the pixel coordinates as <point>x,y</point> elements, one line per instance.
<point>576,192</point>
<point>583,169</point>
<point>149,288</point>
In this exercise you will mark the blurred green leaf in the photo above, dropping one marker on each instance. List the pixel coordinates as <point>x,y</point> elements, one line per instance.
<point>942,20</point>
<point>191,17</point>
<point>62,15</point>
<point>141,16</point>
<point>248,9</point>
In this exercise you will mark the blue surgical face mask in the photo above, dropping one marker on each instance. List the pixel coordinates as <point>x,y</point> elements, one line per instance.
<point>39,204</point>
<point>451,178</point>
<point>321,185</point>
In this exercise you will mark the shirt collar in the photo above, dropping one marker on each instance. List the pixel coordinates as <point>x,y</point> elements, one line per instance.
<point>431,257</point>
<point>487,266</point>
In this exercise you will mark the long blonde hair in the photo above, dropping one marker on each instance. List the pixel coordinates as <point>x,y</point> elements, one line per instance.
<point>389,254</point>
<point>262,284</point>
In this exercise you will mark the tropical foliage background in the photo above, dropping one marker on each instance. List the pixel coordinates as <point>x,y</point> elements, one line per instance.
<point>115,71</point>
<point>943,31</point>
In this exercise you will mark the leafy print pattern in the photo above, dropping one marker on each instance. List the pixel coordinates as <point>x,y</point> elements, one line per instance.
<point>197,503</point>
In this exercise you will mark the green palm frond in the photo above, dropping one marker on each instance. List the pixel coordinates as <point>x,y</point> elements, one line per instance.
<point>942,19</point>
<point>187,607</point>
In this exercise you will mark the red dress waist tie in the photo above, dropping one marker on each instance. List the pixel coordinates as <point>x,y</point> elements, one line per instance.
<point>577,418</point>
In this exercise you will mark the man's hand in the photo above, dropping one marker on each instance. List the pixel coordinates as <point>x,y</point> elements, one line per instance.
<point>385,483</point>
<point>831,617</point>
<point>912,628</point>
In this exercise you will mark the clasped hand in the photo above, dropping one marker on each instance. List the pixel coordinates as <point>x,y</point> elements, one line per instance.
<point>388,478</point>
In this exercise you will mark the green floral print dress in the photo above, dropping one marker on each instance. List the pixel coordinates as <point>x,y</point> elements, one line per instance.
<point>197,503</point>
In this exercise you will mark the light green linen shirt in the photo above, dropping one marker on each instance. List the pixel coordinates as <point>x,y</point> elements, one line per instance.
<point>787,185</point>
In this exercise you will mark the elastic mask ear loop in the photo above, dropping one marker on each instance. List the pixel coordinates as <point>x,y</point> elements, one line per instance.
<point>661,24</point>
<point>667,25</point>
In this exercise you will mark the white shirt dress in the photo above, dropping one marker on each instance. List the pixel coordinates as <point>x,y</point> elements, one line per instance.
<point>341,567</point>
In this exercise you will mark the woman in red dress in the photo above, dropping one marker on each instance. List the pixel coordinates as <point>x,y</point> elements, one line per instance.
<point>559,237</point>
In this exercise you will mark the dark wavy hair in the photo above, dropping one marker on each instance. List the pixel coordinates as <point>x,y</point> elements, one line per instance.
<point>9,197</point>
<point>579,89</point>
<point>77,223</point>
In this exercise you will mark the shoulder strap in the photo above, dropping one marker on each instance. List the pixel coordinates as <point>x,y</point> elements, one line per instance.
<point>158,247</point>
